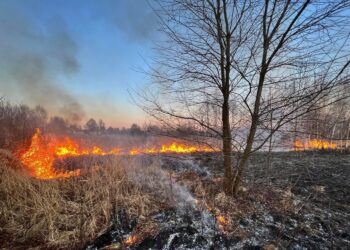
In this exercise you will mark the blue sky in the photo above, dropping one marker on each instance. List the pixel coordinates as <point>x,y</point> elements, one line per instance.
<point>76,58</point>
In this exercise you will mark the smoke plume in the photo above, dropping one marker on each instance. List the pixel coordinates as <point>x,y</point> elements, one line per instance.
<point>135,18</point>
<point>32,59</point>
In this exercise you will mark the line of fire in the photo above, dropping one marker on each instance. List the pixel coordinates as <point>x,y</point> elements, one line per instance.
<point>39,158</point>
<point>175,124</point>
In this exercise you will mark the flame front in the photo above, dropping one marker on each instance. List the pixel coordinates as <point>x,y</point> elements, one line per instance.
<point>39,159</point>
<point>313,144</point>
<point>40,156</point>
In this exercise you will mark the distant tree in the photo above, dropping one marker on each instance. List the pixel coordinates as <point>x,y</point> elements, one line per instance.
<point>101,125</point>
<point>152,129</point>
<point>135,130</point>
<point>91,125</point>
<point>329,123</point>
<point>110,130</point>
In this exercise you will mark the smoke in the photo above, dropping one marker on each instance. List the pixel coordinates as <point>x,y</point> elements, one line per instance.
<point>38,54</point>
<point>135,18</point>
<point>33,58</point>
<point>148,172</point>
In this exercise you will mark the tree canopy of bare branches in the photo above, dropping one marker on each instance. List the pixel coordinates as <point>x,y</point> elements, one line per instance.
<point>241,69</point>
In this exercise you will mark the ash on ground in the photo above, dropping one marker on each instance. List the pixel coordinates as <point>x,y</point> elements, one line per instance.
<point>316,183</point>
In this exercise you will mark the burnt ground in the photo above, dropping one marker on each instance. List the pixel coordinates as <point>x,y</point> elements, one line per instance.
<point>317,184</point>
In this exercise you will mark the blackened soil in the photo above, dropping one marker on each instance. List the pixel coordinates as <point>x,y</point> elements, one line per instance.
<point>318,183</point>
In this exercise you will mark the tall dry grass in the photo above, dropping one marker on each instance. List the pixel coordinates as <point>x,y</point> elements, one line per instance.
<point>67,213</point>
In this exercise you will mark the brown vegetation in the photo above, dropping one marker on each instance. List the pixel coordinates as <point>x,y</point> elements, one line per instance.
<point>254,200</point>
<point>66,213</point>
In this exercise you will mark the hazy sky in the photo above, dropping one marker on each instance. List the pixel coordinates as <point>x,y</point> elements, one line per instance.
<point>77,58</point>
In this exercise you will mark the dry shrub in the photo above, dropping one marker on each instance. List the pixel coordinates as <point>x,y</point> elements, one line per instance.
<point>7,159</point>
<point>66,213</point>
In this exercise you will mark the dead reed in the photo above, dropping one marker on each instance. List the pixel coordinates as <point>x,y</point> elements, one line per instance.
<point>70,212</point>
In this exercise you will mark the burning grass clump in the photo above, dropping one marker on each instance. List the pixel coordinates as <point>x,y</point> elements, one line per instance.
<point>253,201</point>
<point>145,229</point>
<point>68,212</point>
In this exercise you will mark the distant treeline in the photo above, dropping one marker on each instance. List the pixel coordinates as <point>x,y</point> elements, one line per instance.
<point>18,123</point>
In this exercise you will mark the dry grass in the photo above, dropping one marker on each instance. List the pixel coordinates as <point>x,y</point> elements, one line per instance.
<point>66,213</point>
<point>253,200</point>
<point>70,213</point>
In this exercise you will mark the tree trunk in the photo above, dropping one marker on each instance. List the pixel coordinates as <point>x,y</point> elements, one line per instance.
<point>227,146</point>
<point>254,125</point>
<point>347,136</point>
<point>243,162</point>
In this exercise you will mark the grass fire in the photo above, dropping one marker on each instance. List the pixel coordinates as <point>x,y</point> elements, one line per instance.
<point>40,156</point>
<point>314,144</point>
<point>209,124</point>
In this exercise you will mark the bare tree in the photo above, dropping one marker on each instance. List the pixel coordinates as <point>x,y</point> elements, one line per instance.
<point>18,124</point>
<point>329,123</point>
<point>219,59</point>
<point>91,125</point>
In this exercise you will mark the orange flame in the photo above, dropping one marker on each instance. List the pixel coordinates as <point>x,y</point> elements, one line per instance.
<point>40,156</point>
<point>39,159</point>
<point>220,219</point>
<point>131,240</point>
<point>313,144</point>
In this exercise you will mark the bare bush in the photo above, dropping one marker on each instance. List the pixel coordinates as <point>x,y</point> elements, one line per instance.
<point>18,123</point>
